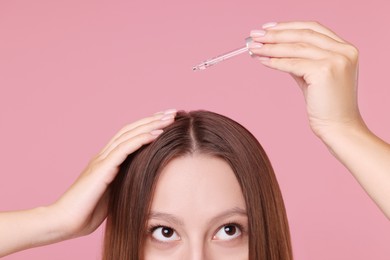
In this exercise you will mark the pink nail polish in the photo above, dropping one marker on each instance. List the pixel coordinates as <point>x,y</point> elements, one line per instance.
<point>170,111</point>
<point>167,117</point>
<point>257,33</point>
<point>269,25</point>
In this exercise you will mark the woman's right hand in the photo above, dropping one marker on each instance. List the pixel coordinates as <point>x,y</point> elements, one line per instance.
<point>83,207</point>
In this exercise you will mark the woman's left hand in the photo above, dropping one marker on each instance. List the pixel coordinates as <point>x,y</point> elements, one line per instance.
<point>324,66</point>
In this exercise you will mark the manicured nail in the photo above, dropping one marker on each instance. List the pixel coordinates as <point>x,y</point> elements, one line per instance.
<point>168,117</point>
<point>170,111</point>
<point>165,112</point>
<point>255,45</point>
<point>269,25</point>
<point>257,33</point>
<point>156,132</point>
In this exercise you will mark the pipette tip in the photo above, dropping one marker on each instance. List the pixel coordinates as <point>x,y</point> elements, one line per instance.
<point>201,66</point>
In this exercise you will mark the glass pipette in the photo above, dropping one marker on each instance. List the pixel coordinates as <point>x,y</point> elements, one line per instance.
<point>218,59</point>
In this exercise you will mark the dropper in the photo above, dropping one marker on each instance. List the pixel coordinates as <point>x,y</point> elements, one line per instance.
<point>210,62</point>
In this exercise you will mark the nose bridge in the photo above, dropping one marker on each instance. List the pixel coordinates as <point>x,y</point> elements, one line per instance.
<point>197,250</point>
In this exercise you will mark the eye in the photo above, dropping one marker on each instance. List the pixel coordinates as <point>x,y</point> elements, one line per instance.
<point>228,232</point>
<point>165,234</point>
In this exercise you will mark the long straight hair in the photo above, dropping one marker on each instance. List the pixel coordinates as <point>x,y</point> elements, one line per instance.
<point>205,133</point>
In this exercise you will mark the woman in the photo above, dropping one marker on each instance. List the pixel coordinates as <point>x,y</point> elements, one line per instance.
<point>325,68</point>
<point>204,189</point>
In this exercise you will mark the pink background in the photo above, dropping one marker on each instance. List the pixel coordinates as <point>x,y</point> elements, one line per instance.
<point>73,72</point>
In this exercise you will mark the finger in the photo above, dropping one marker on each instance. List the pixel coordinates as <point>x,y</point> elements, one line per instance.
<point>289,50</point>
<point>295,66</point>
<point>143,121</point>
<point>166,112</point>
<point>145,128</point>
<point>305,36</point>
<point>333,63</point>
<point>119,154</point>
<point>315,26</point>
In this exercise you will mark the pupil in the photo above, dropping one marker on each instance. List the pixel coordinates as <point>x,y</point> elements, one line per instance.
<point>230,230</point>
<point>167,232</point>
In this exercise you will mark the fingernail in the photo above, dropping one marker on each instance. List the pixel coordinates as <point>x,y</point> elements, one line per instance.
<point>156,132</point>
<point>167,117</point>
<point>255,45</point>
<point>269,25</point>
<point>257,33</point>
<point>166,112</point>
<point>170,111</point>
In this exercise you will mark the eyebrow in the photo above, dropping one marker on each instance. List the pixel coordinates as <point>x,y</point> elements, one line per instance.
<point>176,221</point>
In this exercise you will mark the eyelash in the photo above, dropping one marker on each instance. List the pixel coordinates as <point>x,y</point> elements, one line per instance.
<point>241,227</point>
<point>152,228</point>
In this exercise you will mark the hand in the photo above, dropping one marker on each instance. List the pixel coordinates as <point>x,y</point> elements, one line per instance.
<point>84,206</point>
<point>324,66</point>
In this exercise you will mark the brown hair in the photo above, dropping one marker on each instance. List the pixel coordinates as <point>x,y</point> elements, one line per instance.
<point>198,132</point>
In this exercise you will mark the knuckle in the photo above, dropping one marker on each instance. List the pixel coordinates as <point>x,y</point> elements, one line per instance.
<point>335,64</point>
<point>294,62</point>
<point>353,52</point>
<point>122,146</point>
<point>146,127</point>
<point>306,33</point>
<point>298,47</point>
<point>125,128</point>
<point>314,23</point>
<point>341,61</point>
<point>143,138</point>
<point>271,35</point>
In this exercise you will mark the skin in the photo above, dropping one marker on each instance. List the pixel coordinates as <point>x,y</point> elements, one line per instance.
<point>325,68</point>
<point>199,204</point>
<point>83,207</point>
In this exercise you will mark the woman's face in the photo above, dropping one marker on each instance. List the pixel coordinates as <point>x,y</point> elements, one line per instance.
<point>198,212</point>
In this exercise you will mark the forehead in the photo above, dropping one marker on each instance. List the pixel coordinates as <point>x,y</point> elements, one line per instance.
<point>200,183</point>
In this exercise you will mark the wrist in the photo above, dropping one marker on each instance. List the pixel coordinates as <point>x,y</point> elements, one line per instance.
<point>52,228</point>
<point>57,227</point>
<point>25,229</point>
<point>340,134</point>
